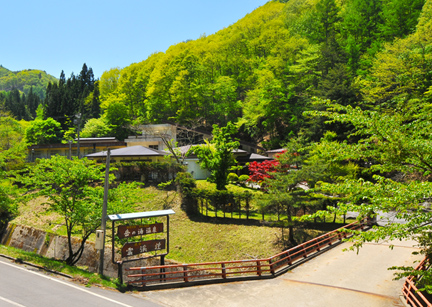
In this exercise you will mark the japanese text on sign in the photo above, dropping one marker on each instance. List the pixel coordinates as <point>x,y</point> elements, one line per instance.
<point>135,248</point>
<point>127,231</point>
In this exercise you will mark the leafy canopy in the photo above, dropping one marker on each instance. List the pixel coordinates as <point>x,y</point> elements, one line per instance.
<point>74,190</point>
<point>217,155</point>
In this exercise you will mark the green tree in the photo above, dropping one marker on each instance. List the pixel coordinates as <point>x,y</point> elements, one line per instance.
<point>7,205</point>
<point>12,153</point>
<point>96,127</point>
<point>217,155</point>
<point>46,131</point>
<point>73,192</point>
<point>296,170</point>
<point>394,152</point>
<point>361,30</point>
<point>400,17</point>
<point>117,117</point>
<point>108,82</point>
<point>13,147</point>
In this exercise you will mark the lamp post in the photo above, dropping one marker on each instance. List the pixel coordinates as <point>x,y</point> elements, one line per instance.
<point>78,122</point>
<point>104,212</point>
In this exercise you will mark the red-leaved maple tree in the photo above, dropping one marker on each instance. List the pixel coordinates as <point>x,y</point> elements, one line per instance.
<point>258,171</point>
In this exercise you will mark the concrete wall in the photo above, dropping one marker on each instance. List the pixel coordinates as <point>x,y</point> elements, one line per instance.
<point>53,246</point>
<point>195,169</point>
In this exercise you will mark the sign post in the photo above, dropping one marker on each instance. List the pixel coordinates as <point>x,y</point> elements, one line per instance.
<point>138,245</point>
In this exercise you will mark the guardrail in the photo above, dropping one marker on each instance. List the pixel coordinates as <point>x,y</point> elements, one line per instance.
<point>412,295</point>
<point>225,270</point>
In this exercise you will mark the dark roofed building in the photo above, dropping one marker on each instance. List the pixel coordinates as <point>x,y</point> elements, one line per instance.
<point>132,153</point>
<point>87,146</point>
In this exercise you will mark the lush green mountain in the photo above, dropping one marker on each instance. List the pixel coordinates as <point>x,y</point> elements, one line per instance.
<point>24,80</point>
<point>263,71</point>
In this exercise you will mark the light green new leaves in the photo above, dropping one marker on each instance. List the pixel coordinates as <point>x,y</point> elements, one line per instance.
<point>217,155</point>
<point>75,191</point>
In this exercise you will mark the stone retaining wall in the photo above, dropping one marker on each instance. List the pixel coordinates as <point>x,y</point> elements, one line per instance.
<point>54,246</point>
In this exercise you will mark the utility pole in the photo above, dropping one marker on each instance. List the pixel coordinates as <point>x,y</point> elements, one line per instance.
<point>78,120</point>
<point>104,212</point>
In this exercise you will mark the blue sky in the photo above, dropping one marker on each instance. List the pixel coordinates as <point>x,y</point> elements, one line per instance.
<point>62,35</point>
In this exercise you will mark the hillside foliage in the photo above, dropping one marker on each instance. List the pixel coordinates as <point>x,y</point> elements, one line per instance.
<point>262,71</point>
<point>344,86</point>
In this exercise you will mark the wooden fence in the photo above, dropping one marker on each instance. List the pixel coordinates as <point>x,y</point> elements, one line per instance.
<point>412,295</point>
<point>173,275</point>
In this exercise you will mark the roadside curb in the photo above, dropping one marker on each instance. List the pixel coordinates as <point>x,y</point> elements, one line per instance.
<point>20,261</point>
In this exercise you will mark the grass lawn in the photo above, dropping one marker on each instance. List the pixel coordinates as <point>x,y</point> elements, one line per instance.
<point>192,238</point>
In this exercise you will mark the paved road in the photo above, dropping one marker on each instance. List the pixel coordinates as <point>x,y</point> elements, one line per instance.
<point>335,278</point>
<point>26,286</point>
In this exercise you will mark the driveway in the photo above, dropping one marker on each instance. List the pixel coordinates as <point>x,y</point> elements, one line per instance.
<point>335,278</point>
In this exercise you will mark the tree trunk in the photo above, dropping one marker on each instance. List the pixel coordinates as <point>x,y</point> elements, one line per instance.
<point>290,226</point>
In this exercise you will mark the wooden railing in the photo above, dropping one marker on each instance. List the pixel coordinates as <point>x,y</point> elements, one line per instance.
<point>252,268</point>
<point>412,295</point>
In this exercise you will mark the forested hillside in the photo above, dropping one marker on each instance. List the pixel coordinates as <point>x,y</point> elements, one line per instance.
<point>24,80</point>
<point>345,86</point>
<point>263,71</point>
<point>22,91</point>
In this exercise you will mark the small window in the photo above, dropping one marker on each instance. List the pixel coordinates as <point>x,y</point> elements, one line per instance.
<point>154,147</point>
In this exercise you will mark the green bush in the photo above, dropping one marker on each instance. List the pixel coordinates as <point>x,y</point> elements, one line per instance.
<point>243,178</point>
<point>186,185</point>
<point>232,177</point>
<point>148,172</point>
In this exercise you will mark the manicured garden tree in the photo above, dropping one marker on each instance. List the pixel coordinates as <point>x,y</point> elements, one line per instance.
<point>287,182</point>
<point>259,171</point>
<point>217,155</point>
<point>242,179</point>
<point>233,177</point>
<point>74,189</point>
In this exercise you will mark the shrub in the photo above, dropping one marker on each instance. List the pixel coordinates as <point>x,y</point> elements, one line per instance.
<point>243,178</point>
<point>186,185</point>
<point>232,177</point>
<point>148,172</point>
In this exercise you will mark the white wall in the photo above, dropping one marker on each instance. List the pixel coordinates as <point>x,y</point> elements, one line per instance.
<point>196,171</point>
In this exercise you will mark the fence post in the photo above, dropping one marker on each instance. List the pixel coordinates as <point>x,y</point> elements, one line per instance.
<point>185,273</point>
<point>143,277</point>
<point>272,271</point>
<point>224,276</point>
<point>247,208</point>
<point>304,251</point>
<point>259,268</point>
<point>289,257</point>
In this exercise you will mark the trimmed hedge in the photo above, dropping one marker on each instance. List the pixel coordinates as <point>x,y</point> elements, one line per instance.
<point>147,172</point>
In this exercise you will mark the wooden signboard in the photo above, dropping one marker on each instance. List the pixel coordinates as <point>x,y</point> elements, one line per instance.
<point>127,231</point>
<point>135,248</point>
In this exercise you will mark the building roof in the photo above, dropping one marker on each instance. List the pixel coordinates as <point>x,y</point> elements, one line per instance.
<point>140,215</point>
<point>252,157</point>
<point>279,150</point>
<point>97,140</point>
<point>255,156</point>
<point>132,151</point>
<point>184,149</point>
